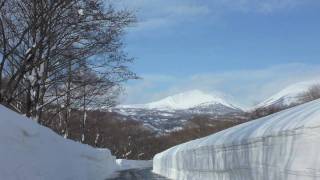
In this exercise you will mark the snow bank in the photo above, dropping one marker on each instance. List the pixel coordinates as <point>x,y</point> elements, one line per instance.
<point>29,151</point>
<point>124,164</point>
<point>283,146</point>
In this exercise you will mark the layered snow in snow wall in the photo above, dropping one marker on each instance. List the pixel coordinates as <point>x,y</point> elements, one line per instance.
<point>283,146</point>
<point>29,151</point>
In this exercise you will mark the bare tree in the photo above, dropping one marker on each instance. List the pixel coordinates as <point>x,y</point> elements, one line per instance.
<point>43,44</point>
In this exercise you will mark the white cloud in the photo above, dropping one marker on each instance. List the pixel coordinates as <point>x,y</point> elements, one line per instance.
<point>161,13</point>
<point>260,6</point>
<point>247,87</point>
<point>188,10</point>
<point>150,24</point>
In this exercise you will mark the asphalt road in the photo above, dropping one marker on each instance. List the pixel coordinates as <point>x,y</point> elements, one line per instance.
<point>138,174</point>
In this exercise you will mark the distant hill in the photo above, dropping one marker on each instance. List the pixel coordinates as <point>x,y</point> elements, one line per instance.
<point>291,95</point>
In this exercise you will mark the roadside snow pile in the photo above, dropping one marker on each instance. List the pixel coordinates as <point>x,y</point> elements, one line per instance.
<point>29,151</point>
<point>124,164</point>
<point>283,146</point>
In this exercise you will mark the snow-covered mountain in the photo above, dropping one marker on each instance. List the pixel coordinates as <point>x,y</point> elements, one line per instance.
<point>171,113</point>
<point>185,100</point>
<point>290,95</point>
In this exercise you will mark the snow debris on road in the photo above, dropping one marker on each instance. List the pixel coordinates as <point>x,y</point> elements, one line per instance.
<point>124,164</point>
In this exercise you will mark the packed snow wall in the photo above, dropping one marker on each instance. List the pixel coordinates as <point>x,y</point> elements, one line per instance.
<point>29,151</point>
<point>283,146</point>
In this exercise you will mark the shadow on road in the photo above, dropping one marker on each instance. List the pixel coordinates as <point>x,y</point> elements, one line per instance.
<point>138,174</point>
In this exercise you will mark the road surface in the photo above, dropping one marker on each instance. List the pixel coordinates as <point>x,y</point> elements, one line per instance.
<point>138,174</point>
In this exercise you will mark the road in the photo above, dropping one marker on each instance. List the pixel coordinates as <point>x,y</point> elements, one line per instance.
<point>138,174</point>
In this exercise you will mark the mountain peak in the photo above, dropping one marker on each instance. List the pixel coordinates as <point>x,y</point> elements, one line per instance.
<point>184,100</point>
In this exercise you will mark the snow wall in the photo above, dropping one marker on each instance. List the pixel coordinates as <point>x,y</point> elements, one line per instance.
<point>29,151</point>
<point>283,146</point>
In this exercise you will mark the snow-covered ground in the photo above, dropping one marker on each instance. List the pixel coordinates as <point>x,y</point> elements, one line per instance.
<point>29,151</point>
<point>124,164</point>
<point>283,146</point>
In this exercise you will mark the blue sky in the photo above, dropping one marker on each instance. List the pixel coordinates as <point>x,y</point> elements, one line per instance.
<point>247,49</point>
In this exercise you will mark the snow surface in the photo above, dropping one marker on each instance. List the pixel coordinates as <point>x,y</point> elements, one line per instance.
<point>290,95</point>
<point>29,151</point>
<point>186,100</point>
<point>124,164</point>
<point>283,146</point>
<point>81,12</point>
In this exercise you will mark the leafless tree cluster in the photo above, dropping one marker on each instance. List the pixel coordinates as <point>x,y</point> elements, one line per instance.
<point>201,126</point>
<point>130,139</point>
<point>265,111</point>
<point>313,93</point>
<point>127,139</point>
<point>56,55</point>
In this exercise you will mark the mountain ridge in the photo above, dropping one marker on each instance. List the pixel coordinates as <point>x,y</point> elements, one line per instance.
<point>183,101</point>
<point>290,95</point>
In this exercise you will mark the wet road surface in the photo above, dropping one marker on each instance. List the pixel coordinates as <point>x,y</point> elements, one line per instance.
<point>138,174</point>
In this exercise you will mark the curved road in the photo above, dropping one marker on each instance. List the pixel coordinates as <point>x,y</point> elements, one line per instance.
<point>138,174</point>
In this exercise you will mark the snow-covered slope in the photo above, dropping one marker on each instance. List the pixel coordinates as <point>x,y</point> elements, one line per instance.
<point>29,151</point>
<point>283,146</point>
<point>186,100</point>
<point>290,95</point>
